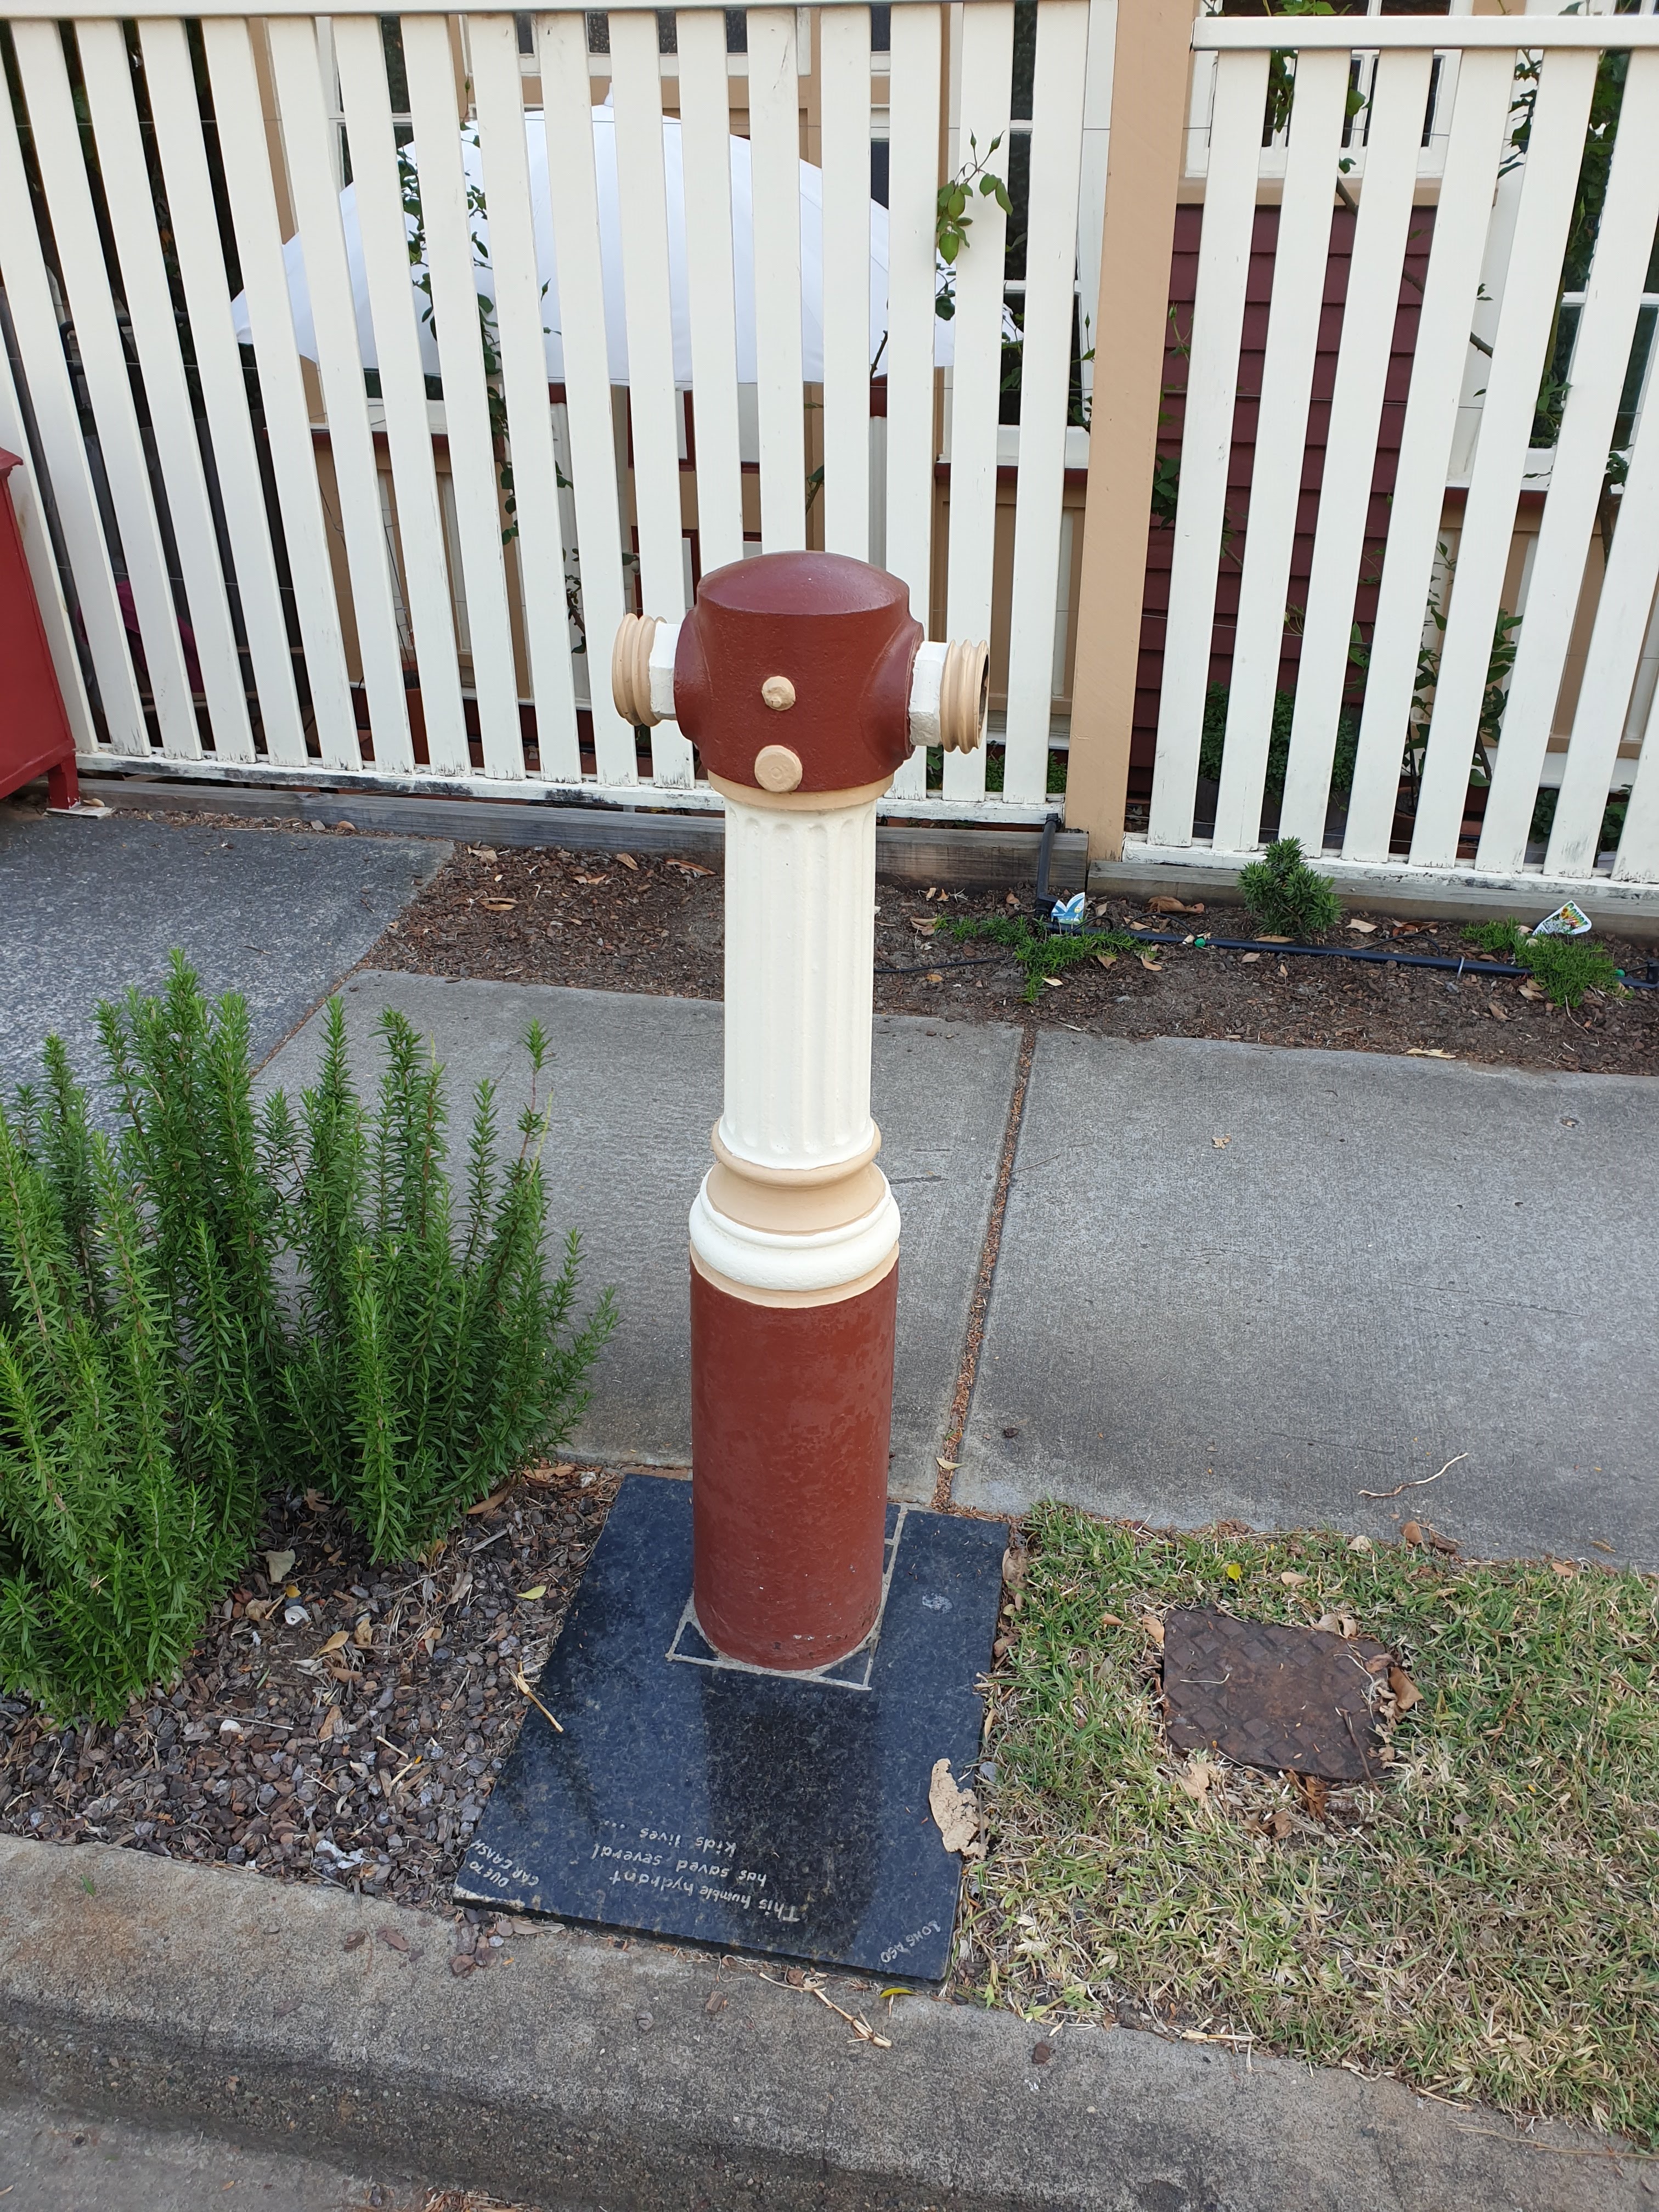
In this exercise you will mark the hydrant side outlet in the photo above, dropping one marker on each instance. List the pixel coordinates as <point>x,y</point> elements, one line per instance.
<point>811,652</point>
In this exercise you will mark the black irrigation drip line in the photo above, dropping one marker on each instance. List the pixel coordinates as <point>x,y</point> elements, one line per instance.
<point>1372,956</point>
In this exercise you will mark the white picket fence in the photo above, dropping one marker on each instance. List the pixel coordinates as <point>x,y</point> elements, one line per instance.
<point>1437,130</point>
<point>267,551</point>
<point>261,615</point>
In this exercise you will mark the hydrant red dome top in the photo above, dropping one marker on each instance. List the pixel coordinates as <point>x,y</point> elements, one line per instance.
<point>840,636</point>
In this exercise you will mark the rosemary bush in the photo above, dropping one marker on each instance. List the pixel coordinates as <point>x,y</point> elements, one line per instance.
<point>432,1357</point>
<point>139,1345</point>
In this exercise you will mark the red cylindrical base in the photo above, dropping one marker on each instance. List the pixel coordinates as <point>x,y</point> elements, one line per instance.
<point>791,1409</point>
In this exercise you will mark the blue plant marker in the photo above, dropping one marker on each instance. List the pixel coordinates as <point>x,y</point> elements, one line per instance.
<point>1068,913</point>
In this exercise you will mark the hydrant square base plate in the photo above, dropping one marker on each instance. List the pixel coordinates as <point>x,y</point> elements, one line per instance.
<point>747,1810</point>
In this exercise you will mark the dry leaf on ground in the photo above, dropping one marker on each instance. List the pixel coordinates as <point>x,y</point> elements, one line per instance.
<point>956,1812</point>
<point>629,861</point>
<point>1195,1779</point>
<point>1154,1628</point>
<point>279,1565</point>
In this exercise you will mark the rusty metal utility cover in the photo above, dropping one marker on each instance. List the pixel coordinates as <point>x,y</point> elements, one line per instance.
<point>1291,1700</point>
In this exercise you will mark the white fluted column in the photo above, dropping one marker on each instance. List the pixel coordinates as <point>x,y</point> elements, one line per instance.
<point>795,1205</point>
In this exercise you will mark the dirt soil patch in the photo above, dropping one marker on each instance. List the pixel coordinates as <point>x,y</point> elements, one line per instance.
<point>600,921</point>
<point>349,1732</point>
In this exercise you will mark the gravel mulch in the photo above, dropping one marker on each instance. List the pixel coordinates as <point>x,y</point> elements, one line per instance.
<point>606,922</point>
<point>341,1724</point>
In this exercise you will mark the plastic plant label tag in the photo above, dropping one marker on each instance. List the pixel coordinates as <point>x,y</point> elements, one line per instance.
<point>1568,920</point>
<point>1068,913</point>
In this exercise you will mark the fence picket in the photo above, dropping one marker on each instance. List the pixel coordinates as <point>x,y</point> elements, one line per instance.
<point>988,57</point>
<point>1299,290</point>
<point>1393,145</point>
<point>296,66</point>
<point>106,72</point>
<point>844,78</point>
<point>1637,860</point>
<point>1449,293</point>
<point>245,151</point>
<point>498,92</point>
<point>1092,191</point>
<point>360,57</point>
<point>652,402</point>
<point>1606,324</point>
<point>908,358</point>
<point>1044,388</point>
<point>1622,615</point>
<point>103,363</point>
<point>34,320</point>
<point>170,82</point>
<point>706,158</point>
<point>447,213</point>
<point>1206,438</point>
<point>775,142</point>
<point>572,192</point>
<point>1548,190</point>
<point>31,517</point>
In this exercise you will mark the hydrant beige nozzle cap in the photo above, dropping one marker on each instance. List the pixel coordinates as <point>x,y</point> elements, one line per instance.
<point>950,692</point>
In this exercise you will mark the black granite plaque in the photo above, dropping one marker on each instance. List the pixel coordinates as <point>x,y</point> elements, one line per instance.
<point>747,1810</point>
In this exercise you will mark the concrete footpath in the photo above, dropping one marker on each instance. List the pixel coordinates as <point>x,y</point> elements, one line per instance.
<point>92,907</point>
<point>1240,1281</point>
<point>592,2074</point>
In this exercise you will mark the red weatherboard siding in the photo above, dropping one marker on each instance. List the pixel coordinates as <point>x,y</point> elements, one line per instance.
<point>1184,283</point>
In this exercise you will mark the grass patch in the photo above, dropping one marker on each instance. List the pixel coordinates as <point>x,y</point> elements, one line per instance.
<point>1040,955</point>
<point>1563,967</point>
<point>1485,1923</point>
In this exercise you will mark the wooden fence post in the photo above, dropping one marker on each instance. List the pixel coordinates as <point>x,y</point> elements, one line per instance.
<point>1143,170</point>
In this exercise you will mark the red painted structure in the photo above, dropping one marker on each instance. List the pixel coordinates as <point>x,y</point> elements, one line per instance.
<point>800,666</point>
<point>34,732</point>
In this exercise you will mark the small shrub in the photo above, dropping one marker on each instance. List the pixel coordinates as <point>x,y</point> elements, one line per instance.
<point>433,1358</point>
<point>1563,967</point>
<point>1504,939</point>
<point>1038,954</point>
<point>1286,898</point>
<point>136,1321</point>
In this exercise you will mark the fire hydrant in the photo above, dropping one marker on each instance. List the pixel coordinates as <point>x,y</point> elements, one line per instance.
<point>803,681</point>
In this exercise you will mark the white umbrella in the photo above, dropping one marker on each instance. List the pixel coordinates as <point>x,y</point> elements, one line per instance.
<point>611,245</point>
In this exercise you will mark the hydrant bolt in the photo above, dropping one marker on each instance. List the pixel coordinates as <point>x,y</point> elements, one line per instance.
<point>778,694</point>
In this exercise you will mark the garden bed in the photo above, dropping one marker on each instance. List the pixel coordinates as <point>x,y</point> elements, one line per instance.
<point>591,920</point>
<point>1482,1924</point>
<point>367,1764</point>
